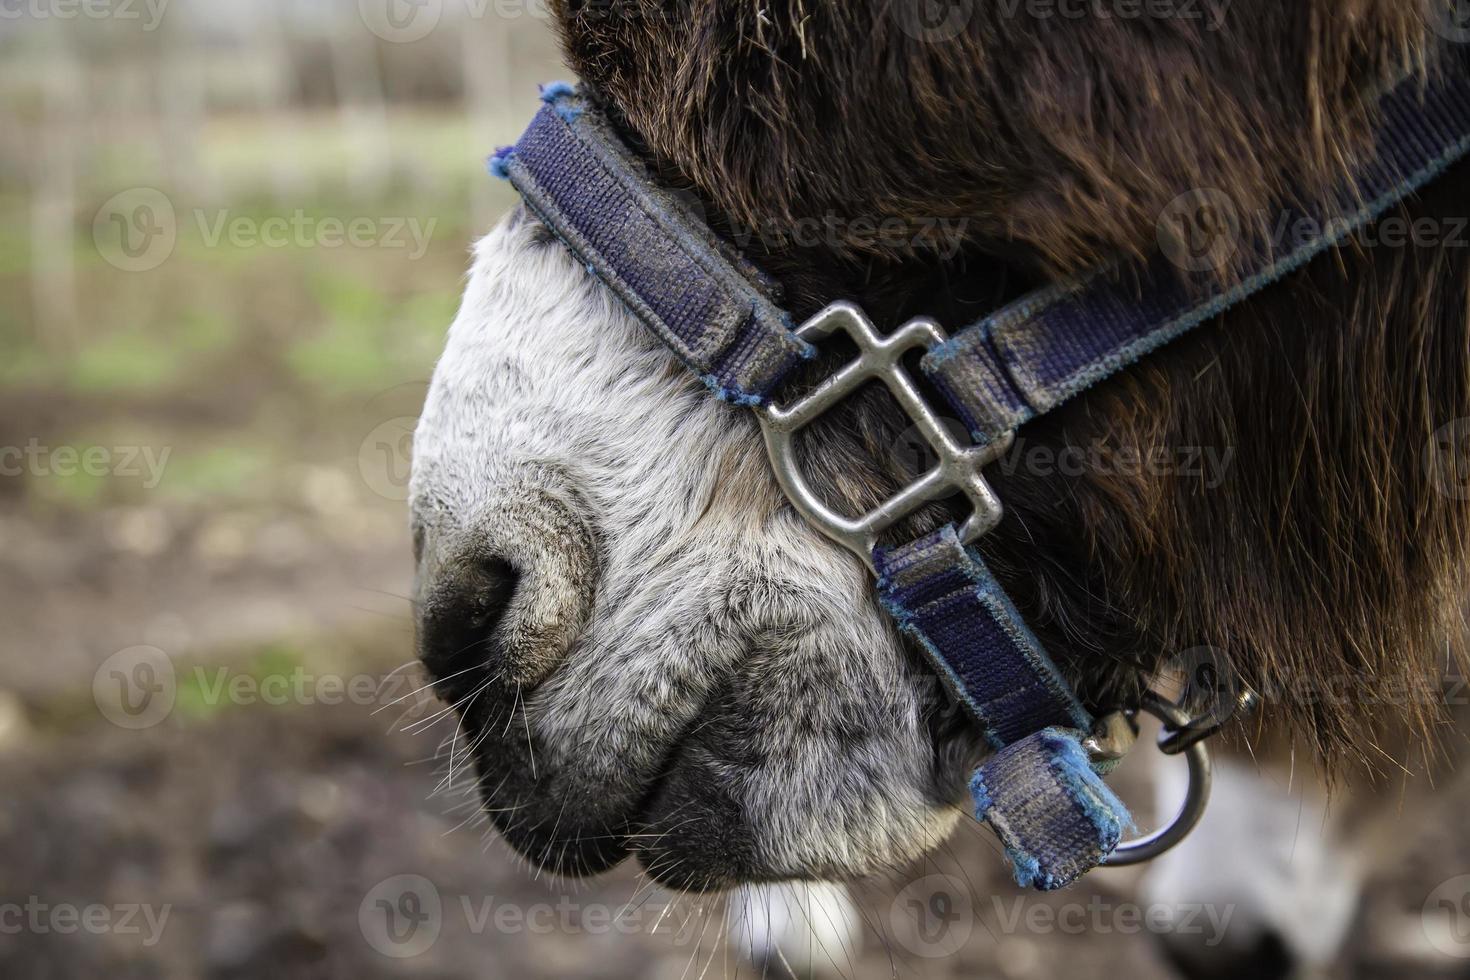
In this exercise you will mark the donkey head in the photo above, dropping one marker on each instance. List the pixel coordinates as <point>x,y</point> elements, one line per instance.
<point>650,653</point>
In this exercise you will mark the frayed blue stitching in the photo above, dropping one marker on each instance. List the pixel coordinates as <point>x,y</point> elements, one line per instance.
<point>980,794</point>
<point>499,163</point>
<point>558,95</point>
<point>808,352</point>
<point>724,393</point>
<point>551,91</point>
<point>901,615</point>
<point>1027,870</point>
<point>729,395</point>
<point>1008,618</point>
<point>943,353</point>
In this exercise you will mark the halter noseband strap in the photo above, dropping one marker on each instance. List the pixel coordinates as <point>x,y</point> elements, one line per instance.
<point>710,306</point>
<point>1042,791</point>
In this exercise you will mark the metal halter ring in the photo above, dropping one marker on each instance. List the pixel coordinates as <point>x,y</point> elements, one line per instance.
<point>1197,755</point>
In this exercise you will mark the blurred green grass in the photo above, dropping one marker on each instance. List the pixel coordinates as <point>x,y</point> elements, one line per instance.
<point>241,356</point>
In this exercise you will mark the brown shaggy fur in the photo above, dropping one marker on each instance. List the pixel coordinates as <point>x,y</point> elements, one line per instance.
<point>1329,564</point>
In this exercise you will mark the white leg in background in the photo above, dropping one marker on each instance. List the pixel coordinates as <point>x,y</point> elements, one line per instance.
<point>1261,856</point>
<point>805,929</point>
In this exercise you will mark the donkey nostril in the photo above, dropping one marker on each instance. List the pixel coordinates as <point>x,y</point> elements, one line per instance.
<point>461,615</point>
<point>512,593</point>
<point>493,583</point>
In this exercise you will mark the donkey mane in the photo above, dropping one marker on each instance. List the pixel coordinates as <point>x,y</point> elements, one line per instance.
<point>1328,564</point>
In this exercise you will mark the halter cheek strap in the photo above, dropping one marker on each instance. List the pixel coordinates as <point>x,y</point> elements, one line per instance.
<point>1042,791</point>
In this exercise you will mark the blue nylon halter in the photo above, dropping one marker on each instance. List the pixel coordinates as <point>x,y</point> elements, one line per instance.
<point>1040,791</point>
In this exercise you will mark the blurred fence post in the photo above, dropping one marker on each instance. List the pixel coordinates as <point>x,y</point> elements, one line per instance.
<point>362,107</point>
<point>289,178</point>
<point>487,81</point>
<point>182,96</point>
<point>54,196</point>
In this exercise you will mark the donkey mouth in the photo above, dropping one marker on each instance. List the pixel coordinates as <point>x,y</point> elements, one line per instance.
<point>578,819</point>
<point>577,787</point>
<point>559,822</point>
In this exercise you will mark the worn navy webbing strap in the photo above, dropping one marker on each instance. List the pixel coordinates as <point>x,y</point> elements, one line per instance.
<point>1030,357</point>
<point>1040,792</point>
<point>710,306</point>
<point>947,599</point>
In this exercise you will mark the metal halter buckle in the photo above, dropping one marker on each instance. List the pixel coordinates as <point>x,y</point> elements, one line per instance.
<point>880,358</point>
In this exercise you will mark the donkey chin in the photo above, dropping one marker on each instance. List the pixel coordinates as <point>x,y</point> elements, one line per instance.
<point>648,651</point>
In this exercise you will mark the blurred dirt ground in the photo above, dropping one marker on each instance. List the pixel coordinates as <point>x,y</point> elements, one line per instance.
<point>261,831</point>
<point>264,832</point>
